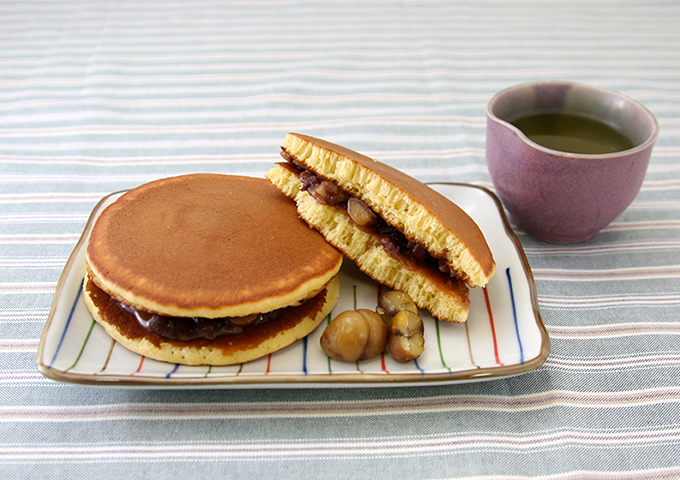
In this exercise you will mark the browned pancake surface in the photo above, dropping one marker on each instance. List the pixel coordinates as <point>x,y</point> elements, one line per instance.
<point>208,245</point>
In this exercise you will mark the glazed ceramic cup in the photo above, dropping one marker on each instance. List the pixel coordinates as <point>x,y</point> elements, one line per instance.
<point>558,196</point>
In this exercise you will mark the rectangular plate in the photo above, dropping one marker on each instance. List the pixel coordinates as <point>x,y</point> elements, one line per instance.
<point>504,334</point>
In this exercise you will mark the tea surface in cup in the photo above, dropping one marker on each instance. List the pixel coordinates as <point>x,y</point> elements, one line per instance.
<point>574,133</point>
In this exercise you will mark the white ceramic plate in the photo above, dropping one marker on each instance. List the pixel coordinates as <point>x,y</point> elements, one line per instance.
<point>504,334</point>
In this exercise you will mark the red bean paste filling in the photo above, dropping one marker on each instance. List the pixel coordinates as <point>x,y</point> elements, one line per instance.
<point>192,328</point>
<point>395,243</point>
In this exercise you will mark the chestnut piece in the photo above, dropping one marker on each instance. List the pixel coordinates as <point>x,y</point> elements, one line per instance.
<point>406,336</point>
<point>395,301</point>
<point>400,314</point>
<point>360,213</point>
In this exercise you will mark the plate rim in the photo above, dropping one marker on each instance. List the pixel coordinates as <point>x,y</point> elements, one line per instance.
<point>364,379</point>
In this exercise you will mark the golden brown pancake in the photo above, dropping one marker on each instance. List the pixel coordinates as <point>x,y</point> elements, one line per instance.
<point>424,217</point>
<point>207,246</point>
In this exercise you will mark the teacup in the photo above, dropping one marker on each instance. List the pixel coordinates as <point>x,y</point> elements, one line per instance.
<point>561,196</point>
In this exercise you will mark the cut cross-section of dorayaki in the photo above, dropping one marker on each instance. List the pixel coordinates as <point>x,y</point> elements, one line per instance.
<point>396,229</point>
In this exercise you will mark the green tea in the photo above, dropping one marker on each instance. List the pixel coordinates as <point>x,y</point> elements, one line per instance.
<point>572,133</point>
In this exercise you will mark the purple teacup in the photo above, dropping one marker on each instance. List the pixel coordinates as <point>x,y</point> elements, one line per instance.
<point>566,192</point>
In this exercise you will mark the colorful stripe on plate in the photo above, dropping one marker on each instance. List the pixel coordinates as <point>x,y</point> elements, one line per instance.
<point>304,367</point>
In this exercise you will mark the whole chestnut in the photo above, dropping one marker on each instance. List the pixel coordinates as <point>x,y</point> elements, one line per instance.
<point>354,335</point>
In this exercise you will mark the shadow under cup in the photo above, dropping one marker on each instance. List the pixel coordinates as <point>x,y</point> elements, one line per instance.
<point>559,196</point>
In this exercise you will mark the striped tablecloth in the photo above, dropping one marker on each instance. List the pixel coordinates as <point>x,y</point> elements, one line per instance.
<point>100,96</point>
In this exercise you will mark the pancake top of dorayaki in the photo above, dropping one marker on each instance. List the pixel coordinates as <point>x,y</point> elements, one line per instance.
<point>208,245</point>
